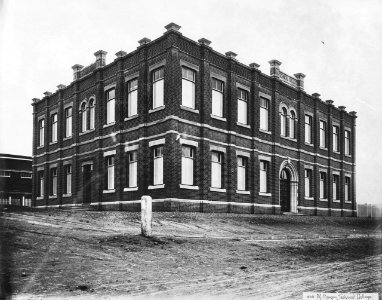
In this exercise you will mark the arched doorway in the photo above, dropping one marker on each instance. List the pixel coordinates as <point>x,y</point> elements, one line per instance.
<point>288,187</point>
<point>285,190</point>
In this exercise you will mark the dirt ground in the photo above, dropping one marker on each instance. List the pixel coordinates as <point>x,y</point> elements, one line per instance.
<point>100,255</point>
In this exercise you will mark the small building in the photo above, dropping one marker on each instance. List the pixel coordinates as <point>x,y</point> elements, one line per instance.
<point>15,180</point>
<point>195,129</point>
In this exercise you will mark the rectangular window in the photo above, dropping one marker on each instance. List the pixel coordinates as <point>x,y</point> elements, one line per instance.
<point>308,183</point>
<point>322,134</point>
<point>347,142</point>
<point>264,166</point>
<point>188,88</point>
<point>53,183</point>
<point>158,87</point>
<point>53,120</point>
<point>40,176</point>
<point>110,106</point>
<point>308,129</point>
<point>322,185</point>
<point>158,165</point>
<point>241,173</point>
<point>217,97</point>
<point>41,124</point>
<point>347,188</point>
<point>132,98</point>
<point>5,174</point>
<point>132,169</point>
<point>264,114</point>
<point>242,106</point>
<point>216,169</point>
<point>68,122</point>
<point>68,179</point>
<point>109,161</point>
<point>187,165</point>
<point>25,175</point>
<point>336,186</point>
<point>335,138</point>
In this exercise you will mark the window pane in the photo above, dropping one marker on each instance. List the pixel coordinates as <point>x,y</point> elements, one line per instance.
<point>242,112</point>
<point>188,93</point>
<point>92,117</point>
<point>158,90</point>
<point>216,174</point>
<point>241,173</point>
<point>187,170</point>
<point>263,118</point>
<point>158,170</point>
<point>217,103</point>
<point>132,103</point>
<point>133,174</point>
<point>263,181</point>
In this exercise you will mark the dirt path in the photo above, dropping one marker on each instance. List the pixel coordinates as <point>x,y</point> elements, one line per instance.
<point>98,255</point>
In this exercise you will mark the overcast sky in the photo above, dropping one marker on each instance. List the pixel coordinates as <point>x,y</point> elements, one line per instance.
<point>41,39</point>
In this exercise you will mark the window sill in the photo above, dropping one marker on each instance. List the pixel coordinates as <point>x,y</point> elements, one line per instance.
<point>243,192</point>
<point>108,191</point>
<point>40,147</point>
<point>265,194</point>
<point>308,144</point>
<point>196,111</point>
<point>154,187</point>
<point>289,138</point>
<point>67,138</point>
<point>309,198</point>
<point>323,148</point>
<point>265,131</point>
<point>212,189</point>
<point>131,118</point>
<point>40,198</point>
<point>87,131</point>
<point>336,152</point>
<point>189,187</point>
<point>52,143</point>
<point>218,118</point>
<point>336,201</point>
<point>156,109</point>
<point>52,196</point>
<point>348,202</point>
<point>347,155</point>
<point>130,189</point>
<point>243,125</point>
<point>323,200</point>
<point>109,124</point>
<point>66,195</point>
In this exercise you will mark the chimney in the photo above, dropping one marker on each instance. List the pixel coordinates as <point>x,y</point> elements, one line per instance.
<point>231,54</point>
<point>254,65</point>
<point>144,41</point>
<point>35,100</point>
<point>353,114</point>
<point>329,102</point>
<point>76,71</point>
<point>300,81</point>
<point>275,68</point>
<point>342,108</point>
<point>46,94</point>
<point>100,58</point>
<point>172,27</point>
<point>316,95</point>
<point>61,86</point>
<point>120,54</point>
<point>204,42</point>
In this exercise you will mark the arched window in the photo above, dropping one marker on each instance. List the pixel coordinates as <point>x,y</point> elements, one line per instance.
<point>292,125</point>
<point>283,121</point>
<point>284,175</point>
<point>91,113</point>
<point>83,117</point>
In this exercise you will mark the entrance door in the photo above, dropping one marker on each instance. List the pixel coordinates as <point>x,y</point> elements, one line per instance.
<point>285,191</point>
<point>87,185</point>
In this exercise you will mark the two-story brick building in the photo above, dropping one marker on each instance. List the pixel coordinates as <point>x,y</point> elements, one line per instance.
<point>194,129</point>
